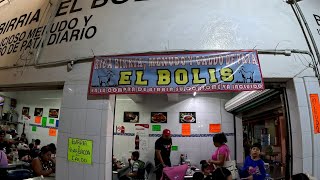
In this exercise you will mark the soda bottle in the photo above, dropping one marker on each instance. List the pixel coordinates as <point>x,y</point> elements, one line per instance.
<point>136,141</point>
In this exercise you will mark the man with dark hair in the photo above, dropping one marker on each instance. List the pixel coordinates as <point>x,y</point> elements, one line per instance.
<point>137,167</point>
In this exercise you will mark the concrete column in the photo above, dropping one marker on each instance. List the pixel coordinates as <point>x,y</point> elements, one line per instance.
<point>84,119</point>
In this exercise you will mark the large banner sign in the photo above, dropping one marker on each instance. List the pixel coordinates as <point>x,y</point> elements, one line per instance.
<point>176,73</point>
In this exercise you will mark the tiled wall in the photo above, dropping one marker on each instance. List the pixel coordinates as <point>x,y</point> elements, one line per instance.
<point>209,110</point>
<point>306,149</point>
<point>84,118</point>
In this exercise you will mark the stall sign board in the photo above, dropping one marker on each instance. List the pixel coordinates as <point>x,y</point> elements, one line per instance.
<point>80,150</point>
<point>186,130</point>
<point>156,127</point>
<point>315,106</point>
<point>214,128</point>
<point>174,148</point>
<point>176,72</point>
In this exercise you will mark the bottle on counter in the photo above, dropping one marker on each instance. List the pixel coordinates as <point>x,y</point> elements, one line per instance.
<point>182,159</point>
<point>137,141</point>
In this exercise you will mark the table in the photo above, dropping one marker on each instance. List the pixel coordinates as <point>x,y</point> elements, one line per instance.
<point>15,165</point>
<point>50,177</point>
<point>44,178</point>
<point>120,172</point>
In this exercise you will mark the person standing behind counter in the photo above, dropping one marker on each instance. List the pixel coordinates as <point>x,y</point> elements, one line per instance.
<point>162,152</point>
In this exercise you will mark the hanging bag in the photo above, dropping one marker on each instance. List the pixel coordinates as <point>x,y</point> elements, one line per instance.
<point>231,166</point>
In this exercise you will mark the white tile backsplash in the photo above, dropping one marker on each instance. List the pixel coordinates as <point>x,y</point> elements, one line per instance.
<point>305,119</point>
<point>96,147</point>
<point>62,167</point>
<point>76,171</point>
<point>307,165</point>
<point>93,122</point>
<point>78,121</point>
<point>91,171</point>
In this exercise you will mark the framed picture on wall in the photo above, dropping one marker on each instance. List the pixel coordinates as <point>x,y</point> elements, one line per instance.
<point>131,117</point>
<point>187,117</point>
<point>38,112</point>
<point>25,111</point>
<point>159,117</point>
<point>54,113</point>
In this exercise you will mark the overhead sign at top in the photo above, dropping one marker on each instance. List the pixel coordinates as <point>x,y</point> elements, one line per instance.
<point>28,31</point>
<point>77,29</point>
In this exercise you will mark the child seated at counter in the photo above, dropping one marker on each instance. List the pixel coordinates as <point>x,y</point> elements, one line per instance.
<point>253,168</point>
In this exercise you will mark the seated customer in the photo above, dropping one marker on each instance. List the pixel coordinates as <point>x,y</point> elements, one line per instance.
<point>206,169</point>
<point>54,151</point>
<point>23,139</point>
<point>137,167</point>
<point>220,173</point>
<point>3,159</point>
<point>198,176</point>
<point>253,167</point>
<point>115,165</point>
<point>42,165</point>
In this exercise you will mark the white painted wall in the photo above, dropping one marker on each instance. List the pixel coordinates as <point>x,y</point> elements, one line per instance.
<point>209,110</point>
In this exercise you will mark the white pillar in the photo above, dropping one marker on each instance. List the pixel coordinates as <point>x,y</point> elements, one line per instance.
<point>88,119</point>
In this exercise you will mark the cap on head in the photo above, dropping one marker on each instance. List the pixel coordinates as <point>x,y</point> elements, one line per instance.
<point>166,132</point>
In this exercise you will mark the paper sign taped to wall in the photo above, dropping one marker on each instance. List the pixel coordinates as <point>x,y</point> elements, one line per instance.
<point>44,121</point>
<point>156,127</point>
<point>51,121</point>
<point>186,129</point>
<point>52,132</point>
<point>34,128</point>
<point>314,100</point>
<point>174,148</point>
<point>37,119</point>
<point>80,150</point>
<point>214,128</point>
<point>57,123</point>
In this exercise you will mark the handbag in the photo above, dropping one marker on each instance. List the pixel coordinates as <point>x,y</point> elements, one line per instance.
<point>231,166</point>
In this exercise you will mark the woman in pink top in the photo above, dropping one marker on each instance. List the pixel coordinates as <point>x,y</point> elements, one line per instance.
<point>222,153</point>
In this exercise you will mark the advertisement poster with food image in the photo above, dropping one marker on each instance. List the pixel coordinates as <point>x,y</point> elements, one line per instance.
<point>25,111</point>
<point>141,140</point>
<point>131,117</point>
<point>187,117</point>
<point>38,112</point>
<point>159,117</point>
<point>54,113</point>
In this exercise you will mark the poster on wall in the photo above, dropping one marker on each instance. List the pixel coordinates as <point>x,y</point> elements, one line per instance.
<point>159,117</point>
<point>25,111</point>
<point>54,113</point>
<point>141,140</point>
<point>80,150</point>
<point>176,72</point>
<point>131,117</point>
<point>187,117</point>
<point>38,112</point>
